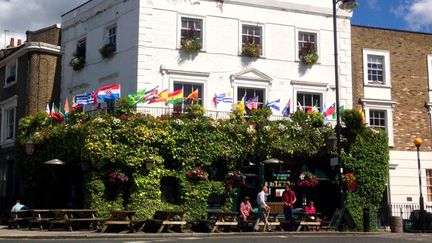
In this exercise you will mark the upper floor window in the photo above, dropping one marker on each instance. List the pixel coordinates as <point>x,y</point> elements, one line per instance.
<point>11,73</point>
<point>112,35</point>
<point>81,48</point>
<point>307,40</point>
<point>252,34</point>
<point>309,101</point>
<point>191,28</point>
<point>376,67</point>
<point>377,118</point>
<point>429,184</point>
<point>250,93</point>
<point>188,88</point>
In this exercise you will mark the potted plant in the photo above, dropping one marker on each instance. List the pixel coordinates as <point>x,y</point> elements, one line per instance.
<point>308,54</point>
<point>191,43</point>
<point>107,50</point>
<point>307,179</point>
<point>251,49</point>
<point>77,62</point>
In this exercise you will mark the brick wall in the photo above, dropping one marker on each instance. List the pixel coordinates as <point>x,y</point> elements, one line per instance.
<point>409,80</point>
<point>50,35</point>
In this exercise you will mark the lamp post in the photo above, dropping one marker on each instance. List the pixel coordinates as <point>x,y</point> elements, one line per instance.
<point>346,5</point>
<point>418,142</point>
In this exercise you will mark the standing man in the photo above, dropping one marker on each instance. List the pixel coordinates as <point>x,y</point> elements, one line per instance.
<point>289,198</point>
<point>263,208</point>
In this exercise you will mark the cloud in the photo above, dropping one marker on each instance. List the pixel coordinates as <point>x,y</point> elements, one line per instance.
<point>18,16</point>
<point>416,13</point>
<point>372,4</point>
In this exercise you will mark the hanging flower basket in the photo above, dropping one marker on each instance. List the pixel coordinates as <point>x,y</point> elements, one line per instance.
<point>308,54</point>
<point>107,50</point>
<point>234,179</point>
<point>117,178</point>
<point>251,49</point>
<point>349,181</point>
<point>198,174</point>
<point>310,59</point>
<point>191,45</point>
<point>307,179</point>
<point>77,63</point>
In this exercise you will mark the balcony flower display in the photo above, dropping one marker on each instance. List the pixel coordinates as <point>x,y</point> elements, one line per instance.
<point>116,177</point>
<point>77,62</point>
<point>107,50</point>
<point>191,45</point>
<point>198,174</point>
<point>308,54</point>
<point>307,179</point>
<point>349,181</point>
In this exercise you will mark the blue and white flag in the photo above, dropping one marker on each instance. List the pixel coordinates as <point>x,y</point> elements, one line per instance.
<point>275,105</point>
<point>287,110</point>
<point>223,98</point>
<point>84,99</point>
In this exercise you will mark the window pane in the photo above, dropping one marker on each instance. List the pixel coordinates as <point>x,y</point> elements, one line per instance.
<point>251,93</point>
<point>191,28</point>
<point>377,119</point>
<point>188,88</point>
<point>375,68</point>
<point>306,40</point>
<point>309,101</point>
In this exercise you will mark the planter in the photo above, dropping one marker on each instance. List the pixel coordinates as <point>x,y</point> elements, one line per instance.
<point>251,50</point>
<point>191,45</point>
<point>77,63</point>
<point>310,59</point>
<point>107,50</point>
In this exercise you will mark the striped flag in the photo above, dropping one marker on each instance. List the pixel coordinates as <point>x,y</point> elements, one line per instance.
<point>330,111</point>
<point>275,105</point>
<point>109,92</point>
<point>162,97</point>
<point>287,110</point>
<point>151,94</point>
<point>83,99</point>
<point>193,95</point>
<point>252,103</point>
<point>175,97</point>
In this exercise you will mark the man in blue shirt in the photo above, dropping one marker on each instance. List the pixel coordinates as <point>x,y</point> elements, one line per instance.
<point>18,206</point>
<point>263,208</point>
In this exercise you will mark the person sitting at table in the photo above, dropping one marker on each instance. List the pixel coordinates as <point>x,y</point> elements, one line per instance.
<point>246,209</point>
<point>18,206</point>
<point>311,211</point>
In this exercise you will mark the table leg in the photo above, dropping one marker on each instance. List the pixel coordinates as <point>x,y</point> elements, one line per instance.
<point>161,228</point>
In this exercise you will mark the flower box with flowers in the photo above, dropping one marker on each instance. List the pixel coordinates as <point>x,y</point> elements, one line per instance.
<point>349,181</point>
<point>251,49</point>
<point>198,174</point>
<point>307,179</point>
<point>77,62</point>
<point>116,178</point>
<point>191,45</point>
<point>234,179</point>
<point>308,54</point>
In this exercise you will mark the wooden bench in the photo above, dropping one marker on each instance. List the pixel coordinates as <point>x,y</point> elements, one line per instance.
<point>309,225</point>
<point>73,217</point>
<point>273,221</point>
<point>123,220</point>
<point>163,219</point>
<point>40,217</point>
<point>216,219</point>
<point>18,218</point>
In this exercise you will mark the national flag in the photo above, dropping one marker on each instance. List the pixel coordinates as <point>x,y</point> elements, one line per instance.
<point>151,94</point>
<point>193,95</point>
<point>287,110</point>
<point>175,97</point>
<point>330,111</point>
<point>275,105</point>
<point>341,109</point>
<point>47,109</point>
<point>252,103</point>
<point>362,115</point>
<point>83,99</point>
<point>162,97</point>
<point>299,106</point>
<point>315,108</point>
<point>109,92</point>
<point>66,107</point>
<point>223,98</point>
<point>309,110</point>
<point>242,104</point>
<point>138,97</point>
<point>53,113</point>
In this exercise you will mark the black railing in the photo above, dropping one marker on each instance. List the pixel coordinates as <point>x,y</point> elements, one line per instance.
<point>408,212</point>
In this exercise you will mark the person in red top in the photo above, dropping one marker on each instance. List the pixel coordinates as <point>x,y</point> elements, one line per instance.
<point>289,198</point>
<point>245,209</point>
<point>310,208</point>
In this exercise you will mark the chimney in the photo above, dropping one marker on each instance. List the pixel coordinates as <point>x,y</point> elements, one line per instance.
<point>12,42</point>
<point>19,42</point>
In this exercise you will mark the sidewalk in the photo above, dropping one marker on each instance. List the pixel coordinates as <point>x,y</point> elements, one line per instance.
<point>6,233</point>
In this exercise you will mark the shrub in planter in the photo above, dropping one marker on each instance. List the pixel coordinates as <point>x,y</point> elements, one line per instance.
<point>251,49</point>
<point>77,62</point>
<point>107,50</point>
<point>191,45</point>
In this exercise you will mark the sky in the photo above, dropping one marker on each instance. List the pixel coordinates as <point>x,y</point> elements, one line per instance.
<point>18,16</point>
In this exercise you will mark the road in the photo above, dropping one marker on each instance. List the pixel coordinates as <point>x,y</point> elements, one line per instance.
<point>384,238</point>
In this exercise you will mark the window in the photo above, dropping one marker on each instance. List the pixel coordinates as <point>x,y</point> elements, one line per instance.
<point>188,88</point>
<point>11,73</point>
<point>112,35</point>
<point>8,113</point>
<point>10,124</point>
<point>377,119</point>
<point>307,40</point>
<point>3,178</point>
<point>250,93</point>
<point>191,28</point>
<point>376,68</point>
<point>252,34</point>
<point>309,101</point>
<point>429,184</point>
<point>81,48</point>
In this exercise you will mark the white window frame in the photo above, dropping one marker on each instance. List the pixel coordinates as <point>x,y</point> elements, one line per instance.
<point>7,73</point>
<point>196,82</point>
<point>7,105</point>
<point>429,65</point>
<point>190,80</point>
<point>388,108</point>
<point>107,35</point>
<point>264,100</point>
<point>387,69</point>
<point>296,42</point>
<point>308,87</point>
<point>203,29</point>
<point>428,185</point>
<point>263,34</point>
<point>239,83</point>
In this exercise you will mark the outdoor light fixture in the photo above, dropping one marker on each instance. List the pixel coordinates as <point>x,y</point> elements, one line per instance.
<point>345,5</point>
<point>149,164</point>
<point>418,142</point>
<point>29,147</point>
<point>54,162</point>
<point>332,143</point>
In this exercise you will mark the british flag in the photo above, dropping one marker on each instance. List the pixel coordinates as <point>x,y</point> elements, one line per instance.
<point>252,103</point>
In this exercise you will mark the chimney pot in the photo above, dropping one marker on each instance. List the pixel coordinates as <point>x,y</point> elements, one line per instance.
<point>12,42</point>
<point>19,42</point>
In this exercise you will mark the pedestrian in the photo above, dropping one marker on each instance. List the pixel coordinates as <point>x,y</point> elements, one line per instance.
<point>18,206</point>
<point>263,209</point>
<point>289,198</point>
<point>245,209</point>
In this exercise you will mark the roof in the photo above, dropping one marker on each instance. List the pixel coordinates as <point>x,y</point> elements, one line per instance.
<point>76,8</point>
<point>388,29</point>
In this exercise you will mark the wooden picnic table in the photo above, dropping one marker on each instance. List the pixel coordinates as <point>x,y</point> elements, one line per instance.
<point>123,218</point>
<point>162,219</point>
<point>40,217</point>
<point>218,219</point>
<point>73,217</point>
<point>307,223</point>
<point>19,218</point>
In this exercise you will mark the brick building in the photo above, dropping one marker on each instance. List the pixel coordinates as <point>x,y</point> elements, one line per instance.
<point>29,78</point>
<point>392,81</point>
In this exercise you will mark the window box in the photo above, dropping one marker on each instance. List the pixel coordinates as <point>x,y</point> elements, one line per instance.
<point>191,45</point>
<point>308,55</point>
<point>107,50</point>
<point>77,63</point>
<point>251,50</point>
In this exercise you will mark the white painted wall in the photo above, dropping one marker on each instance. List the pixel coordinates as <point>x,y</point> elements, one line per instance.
<point>149,40</point>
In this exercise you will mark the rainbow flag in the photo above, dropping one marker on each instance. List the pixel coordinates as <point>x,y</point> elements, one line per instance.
<point>175,97</point>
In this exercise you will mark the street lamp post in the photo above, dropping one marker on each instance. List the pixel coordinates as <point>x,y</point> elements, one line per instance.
<point>346,5</point>
<point>418,142</point>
